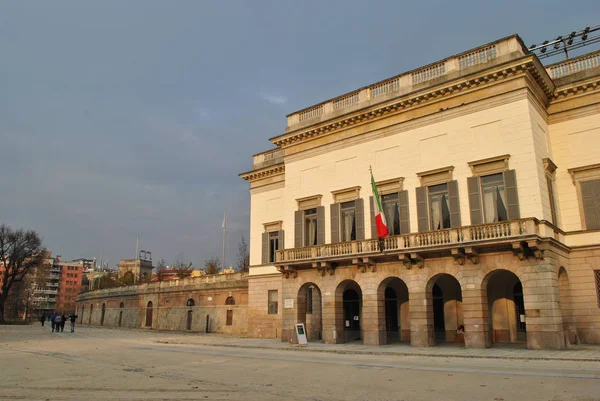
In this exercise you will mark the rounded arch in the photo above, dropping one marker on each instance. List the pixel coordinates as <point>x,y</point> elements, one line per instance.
<point>566,307</point>
<point>230,301</point>
<point>348,309</point>
<point>505,302</point>
<point>310,310</point>
<point>393,316</point>
<point>190,302</point>
<point>444,295</point>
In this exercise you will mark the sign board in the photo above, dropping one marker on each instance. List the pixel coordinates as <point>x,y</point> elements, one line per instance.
<point>288,303</point>
<point>301,334</point>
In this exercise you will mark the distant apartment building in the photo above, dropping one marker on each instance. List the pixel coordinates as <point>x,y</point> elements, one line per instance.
<point>71,274</point>
<point>488,173</point>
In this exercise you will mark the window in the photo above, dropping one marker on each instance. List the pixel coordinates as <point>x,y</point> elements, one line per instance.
<point>273,245</point>
<point>439,207</point>
<point>273,302</point>
<point>310,227</point>
<point>494,198</point>
<point>348,223</point>
<point>230,301</point>
<point>590,197</point>
<point>597,279</point>
<point>550,182</point>
<point>391,209</point>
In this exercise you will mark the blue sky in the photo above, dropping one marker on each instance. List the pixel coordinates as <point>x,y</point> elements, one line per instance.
<point>125,118</point>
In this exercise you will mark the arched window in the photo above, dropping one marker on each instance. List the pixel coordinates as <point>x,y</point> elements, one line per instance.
<point>230,301</point>
<point>190,302</point>
<point>122,305</point>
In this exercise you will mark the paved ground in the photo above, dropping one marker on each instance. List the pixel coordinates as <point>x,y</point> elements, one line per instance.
<point>109,364</point>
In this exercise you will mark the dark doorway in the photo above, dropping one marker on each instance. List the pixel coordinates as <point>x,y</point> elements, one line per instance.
<point>149,314</point>
<point>82,310</point>
<point>91,311</point>
<point>102,314</point>
<point>121,313</point>
<point>188,325</point>
<point>351,315</point>
<point>520,311</point>
<point>439,324</point>
<point>391,315</point>
<point>309,311</point>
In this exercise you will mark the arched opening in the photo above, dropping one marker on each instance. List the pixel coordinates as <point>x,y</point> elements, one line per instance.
<point>102,314</point>
<point>149,314</point>
<point>82,310</point>
<point>91,310</point>
<point>190,314</point>
<point>348,296</point>
<point>566,307</point>
<point>393,309</point>
<point>230,301</point>
<point>121,306</point>
<point>310,311</point>
<point>506,307</point>
<point>447,311</point>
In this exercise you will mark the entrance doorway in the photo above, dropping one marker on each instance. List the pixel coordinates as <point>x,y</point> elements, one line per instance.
<point>102,314</point>
<point>506,307</point>
<point>393,308</point>
<point>149,314</point>
<point>310,311</point>
<point>91,311</point>
<point>121,306</point>
<point>190,303</point>
<point>352,309</point>
<point>446,308</point>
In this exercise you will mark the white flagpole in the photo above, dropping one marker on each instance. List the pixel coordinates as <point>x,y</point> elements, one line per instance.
<point>223,252</point>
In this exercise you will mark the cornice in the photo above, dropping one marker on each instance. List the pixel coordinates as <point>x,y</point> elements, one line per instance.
<point>526,65</point>
<point>576,88</point>
<point>264,172</point>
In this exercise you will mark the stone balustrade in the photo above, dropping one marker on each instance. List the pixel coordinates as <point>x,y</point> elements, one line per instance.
<point>268,158</point>
<point>463,236</point>
<point>574,65</point>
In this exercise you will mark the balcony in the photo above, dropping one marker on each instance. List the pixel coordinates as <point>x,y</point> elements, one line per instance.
<point>521,236</point>
<point>269,158</point>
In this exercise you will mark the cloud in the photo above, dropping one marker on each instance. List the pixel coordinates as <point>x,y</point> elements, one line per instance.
<point>273,99</point>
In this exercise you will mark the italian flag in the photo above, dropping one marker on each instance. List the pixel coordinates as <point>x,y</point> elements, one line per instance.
<point>382,228</point>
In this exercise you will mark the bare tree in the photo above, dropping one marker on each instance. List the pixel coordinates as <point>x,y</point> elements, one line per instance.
<point>211,266</point>
<point>243,256</point>
<point>182,269</point>
<point>161,270</point>
<point>126,279</point>
<point>20,252</point>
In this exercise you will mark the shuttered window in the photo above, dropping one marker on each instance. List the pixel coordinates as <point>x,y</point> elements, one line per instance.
<point>271,242</point>
<point>550,182</point>
<point>590,196</point>
<point>597,280</point>
<point>347,221</point>
<point>438,207</point>
<point>493,198</point>
<point>309,226</point>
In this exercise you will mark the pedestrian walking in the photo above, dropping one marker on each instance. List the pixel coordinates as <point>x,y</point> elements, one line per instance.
<point>72,318</point>
<point>57,322</point>
<point>53,320</point>
<point>63,320</point>
<point>43,319</point>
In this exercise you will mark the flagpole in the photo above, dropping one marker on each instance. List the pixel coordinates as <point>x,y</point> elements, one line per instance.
<point>223,251</point>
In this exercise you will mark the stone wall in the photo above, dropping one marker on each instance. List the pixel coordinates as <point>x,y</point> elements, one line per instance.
<point>172,305</point>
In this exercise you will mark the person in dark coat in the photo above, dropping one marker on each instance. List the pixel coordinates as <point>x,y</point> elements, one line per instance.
<point>63,320</point>
<point>43,319</point>
<point>72,318</point>
<point>53,320</point>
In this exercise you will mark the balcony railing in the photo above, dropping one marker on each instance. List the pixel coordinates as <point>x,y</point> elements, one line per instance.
<point>574,65</point>
<point>266,159</point>
<point>463,236</point>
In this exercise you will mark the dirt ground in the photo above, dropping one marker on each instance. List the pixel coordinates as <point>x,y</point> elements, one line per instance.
<point>110,364</point>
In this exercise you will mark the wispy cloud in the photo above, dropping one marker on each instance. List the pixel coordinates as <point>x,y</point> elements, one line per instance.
<point>273,99</point>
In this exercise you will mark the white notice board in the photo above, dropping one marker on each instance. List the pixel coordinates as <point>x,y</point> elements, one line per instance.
<point>301,334</point>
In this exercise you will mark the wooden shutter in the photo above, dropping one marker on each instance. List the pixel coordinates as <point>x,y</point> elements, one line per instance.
<point>335,223</point>
<point>403,210</point>
<point>373,224</point>
<point>474,187</point>
<point>298,217</point>
<point>265,248</point>
<point>551,198</point>
<point>590,194</point>
<point>512,199</point>
<point>280,240</point>
<point>454,204</point>
<point>359,215</point>
<point>321,225</point>
<point>422,212</point>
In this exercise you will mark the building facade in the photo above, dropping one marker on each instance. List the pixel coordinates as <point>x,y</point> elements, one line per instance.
<point>489,176</point>
<point>69,285</point>
<point>211,303</point>
<point>140,269</point>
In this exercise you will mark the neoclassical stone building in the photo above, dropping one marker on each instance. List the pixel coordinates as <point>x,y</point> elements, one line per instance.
<point>488,167</point>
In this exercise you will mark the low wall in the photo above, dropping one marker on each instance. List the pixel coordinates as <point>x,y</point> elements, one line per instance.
<point>172,305</point>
